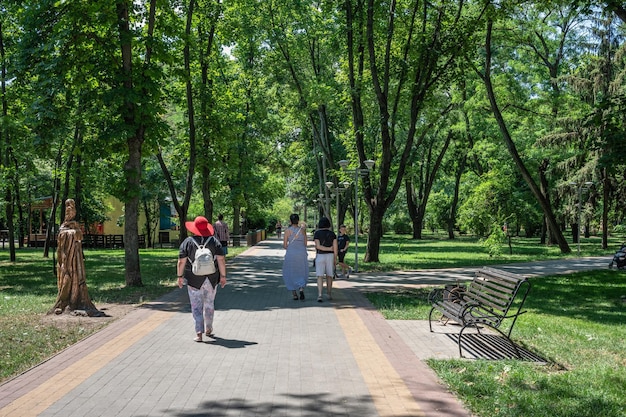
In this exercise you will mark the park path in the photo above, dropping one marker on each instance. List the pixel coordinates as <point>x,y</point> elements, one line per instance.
<point>271,355</point>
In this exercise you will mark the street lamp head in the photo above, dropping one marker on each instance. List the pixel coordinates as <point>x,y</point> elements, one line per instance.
<point>329,185</point>
<point>344,163</point>
<point>588,183</point>
<point>369,164</point>
<point>345,184</point>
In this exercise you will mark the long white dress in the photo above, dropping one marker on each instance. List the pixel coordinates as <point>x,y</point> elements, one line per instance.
<point>296,264</point>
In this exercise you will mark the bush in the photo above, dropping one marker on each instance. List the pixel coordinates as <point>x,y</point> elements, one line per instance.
<point>402,226</point>
<point>496,241</point>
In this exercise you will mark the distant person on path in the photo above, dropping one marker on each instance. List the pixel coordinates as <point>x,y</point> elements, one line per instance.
<point>279,228</point>
<point>343,241</point>
<point>325,258</point>
<point>222,233</point>
<point>296,263</point>
<point>201,288</point>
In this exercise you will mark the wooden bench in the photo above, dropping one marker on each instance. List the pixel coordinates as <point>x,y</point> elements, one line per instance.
<point>490,299</point>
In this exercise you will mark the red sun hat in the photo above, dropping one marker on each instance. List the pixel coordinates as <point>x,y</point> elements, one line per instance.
<point>200,227</point>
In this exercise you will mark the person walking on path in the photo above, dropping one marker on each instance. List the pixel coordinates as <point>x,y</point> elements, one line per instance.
<point>222,233</point>
<point>325,258</point>
<point>343,241</point>
<point>296,263</point>
<point>201,288</point>
<point>279,228</point>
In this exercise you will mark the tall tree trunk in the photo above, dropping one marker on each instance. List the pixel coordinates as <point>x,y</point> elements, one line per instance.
<point>432,63</point>
<point>191,120</point>
<point>426,185</point>
<point>132,170</point>
<point>543,202</point>
<point>544,187</point>
<point>136,128</point>
<point>375,234</point>
<point>411,197</point>
<point>20,210</point>
<point>455,196</point>
<point>606,185</point>
<point>5,150</point>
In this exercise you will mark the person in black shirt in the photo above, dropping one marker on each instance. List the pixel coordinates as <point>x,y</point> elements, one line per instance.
<point>325,258</point>
<point>343,241</point>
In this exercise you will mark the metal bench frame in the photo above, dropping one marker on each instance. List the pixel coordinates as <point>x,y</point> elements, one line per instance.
<point>487,301</point>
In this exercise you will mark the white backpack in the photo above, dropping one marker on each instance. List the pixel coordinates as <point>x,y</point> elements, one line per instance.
<point>203,264</point>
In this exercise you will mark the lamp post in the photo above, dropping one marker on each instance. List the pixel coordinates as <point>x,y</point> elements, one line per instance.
<point>325,202</point>
<point>337,191</point>
<point>317,209</point>
<point>583,186</point>
<point>369,164</point>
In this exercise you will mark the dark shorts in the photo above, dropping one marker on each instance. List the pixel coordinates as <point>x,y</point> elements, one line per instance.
<point>340,256</point>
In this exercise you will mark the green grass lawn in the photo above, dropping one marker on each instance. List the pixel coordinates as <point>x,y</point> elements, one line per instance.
<point>400,252</point>
<point>577,322</point>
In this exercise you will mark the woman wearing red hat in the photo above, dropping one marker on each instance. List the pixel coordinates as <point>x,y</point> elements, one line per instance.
<point>201,288</point>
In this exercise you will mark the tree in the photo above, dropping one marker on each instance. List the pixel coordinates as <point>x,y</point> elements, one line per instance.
<point>306,47</point>
<point>7,174</point>
<point>420,179</point>
<point>410,49</point>
<point>139,90</point>
<point>512,148</point>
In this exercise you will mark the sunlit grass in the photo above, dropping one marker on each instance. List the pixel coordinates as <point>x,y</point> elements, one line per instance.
<point>577,322</point>
<point>401,252</point>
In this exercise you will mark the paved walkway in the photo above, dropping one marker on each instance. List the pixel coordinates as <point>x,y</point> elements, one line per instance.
<point>271,355</point>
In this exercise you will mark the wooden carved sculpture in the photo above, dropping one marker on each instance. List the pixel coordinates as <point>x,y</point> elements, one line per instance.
<point>73,296</point>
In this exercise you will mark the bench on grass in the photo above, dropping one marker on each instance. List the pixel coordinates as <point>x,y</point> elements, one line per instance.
<point>488,300</point>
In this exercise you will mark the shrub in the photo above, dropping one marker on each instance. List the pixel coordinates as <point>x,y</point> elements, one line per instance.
<point>402,226</point>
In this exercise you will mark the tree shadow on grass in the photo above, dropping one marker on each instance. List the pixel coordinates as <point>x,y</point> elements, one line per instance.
<point>594,296</point>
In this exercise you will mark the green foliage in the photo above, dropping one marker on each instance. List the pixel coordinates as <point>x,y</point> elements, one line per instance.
<point>402,226</point>
<point>619,229</point>
<point>438,210</point>
<point>494,243</point>
<point>494,198</point>
<point>274,68</point>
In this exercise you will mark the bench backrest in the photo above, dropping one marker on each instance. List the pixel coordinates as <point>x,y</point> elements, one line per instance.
<point>495,290</point>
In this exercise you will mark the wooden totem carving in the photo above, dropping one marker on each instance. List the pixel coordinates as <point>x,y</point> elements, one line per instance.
<point>73,296</point>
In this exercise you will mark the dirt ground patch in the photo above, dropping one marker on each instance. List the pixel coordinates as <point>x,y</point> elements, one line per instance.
<point>89,324</point>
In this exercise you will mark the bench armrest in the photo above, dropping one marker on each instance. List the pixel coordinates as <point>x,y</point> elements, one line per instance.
<point>436,295</point>
<point>449,293</point>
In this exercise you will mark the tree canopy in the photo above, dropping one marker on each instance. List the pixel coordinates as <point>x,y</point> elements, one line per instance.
<point>475,113</point>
